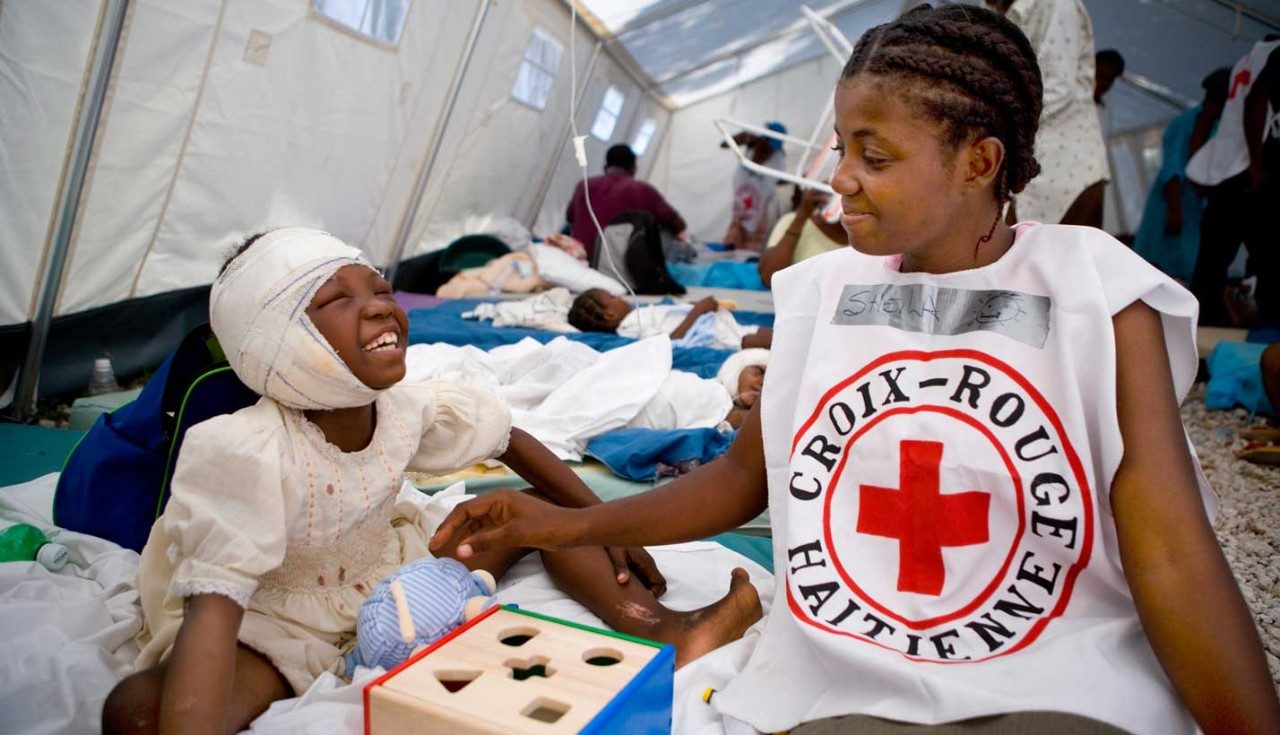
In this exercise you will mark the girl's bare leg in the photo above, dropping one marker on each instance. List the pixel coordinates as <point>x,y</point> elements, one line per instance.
<point>587,575</point>
<point>133,706</point>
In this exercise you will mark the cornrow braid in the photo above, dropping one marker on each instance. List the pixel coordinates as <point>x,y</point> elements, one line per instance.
<point>969,69</point>
<point>587,312</point>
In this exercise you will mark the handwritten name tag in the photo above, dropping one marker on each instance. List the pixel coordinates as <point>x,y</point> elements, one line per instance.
<point>931,309</point>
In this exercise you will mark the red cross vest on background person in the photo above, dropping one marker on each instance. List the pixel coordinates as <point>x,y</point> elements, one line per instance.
<point>940,450</point>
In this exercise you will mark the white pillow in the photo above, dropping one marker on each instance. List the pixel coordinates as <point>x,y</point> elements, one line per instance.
<point>559,268</point>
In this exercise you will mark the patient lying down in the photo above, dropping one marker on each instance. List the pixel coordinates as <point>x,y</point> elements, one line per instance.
<point>702,324</point>
<point>686,401</point>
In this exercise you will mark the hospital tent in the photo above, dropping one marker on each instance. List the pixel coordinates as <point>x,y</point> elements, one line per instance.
<point>141,139</point>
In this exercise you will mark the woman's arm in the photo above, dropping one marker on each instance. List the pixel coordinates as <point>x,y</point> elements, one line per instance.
<point>762,337</point>
<point>197,682</point>
<point>716,497</point>
<point>530,459</point>
<point>1190,607</point>
<point>783,252</point>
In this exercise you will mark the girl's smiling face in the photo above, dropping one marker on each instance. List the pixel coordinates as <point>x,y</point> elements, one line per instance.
<point>897,179</point>
<point>357,314</point>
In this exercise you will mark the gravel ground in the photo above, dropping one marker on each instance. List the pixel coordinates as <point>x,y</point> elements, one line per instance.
<point>1248,523</point>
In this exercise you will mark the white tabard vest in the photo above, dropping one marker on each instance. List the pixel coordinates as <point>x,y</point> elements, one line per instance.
<point>940,450</point>
<point>1226,153</point>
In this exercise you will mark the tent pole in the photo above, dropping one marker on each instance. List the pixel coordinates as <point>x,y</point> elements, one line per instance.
<point>106,46</point>
<point>420,188</point>
<point>550,171</point>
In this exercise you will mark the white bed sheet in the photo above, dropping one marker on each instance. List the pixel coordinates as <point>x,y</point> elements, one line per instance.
<point>66,638</point>
<point>550,387</point>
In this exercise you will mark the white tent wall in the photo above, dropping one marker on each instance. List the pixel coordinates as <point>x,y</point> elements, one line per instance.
<point>234,116</point>
<point>637,107</point>
<point>495,150</point>
<point>696,175</point>
<point>41,77</point>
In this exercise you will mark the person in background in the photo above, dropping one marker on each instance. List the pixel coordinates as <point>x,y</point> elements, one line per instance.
<point>800,234</point>
<point>597,310</point>
<point>1241,165</point>
<point>1108,66</point>
<point>1169,236</point>
<point>1069,145</point>
<point>614,192</point>
<point>753,192</point>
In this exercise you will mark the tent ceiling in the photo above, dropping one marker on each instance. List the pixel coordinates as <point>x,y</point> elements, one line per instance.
<point>695,49</point>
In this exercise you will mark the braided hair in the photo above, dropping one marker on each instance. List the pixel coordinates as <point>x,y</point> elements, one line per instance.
<point>968,69</point>
<point>587,312</point>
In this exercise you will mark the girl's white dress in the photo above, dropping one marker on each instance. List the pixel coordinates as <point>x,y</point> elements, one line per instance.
<point>267,512</point>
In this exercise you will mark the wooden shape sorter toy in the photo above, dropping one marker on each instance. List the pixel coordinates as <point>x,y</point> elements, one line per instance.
<point>513,671</point>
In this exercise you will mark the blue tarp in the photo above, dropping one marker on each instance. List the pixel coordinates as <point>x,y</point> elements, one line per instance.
<point>636,453</point>
<point>723,274</point>
<point>444,324</point>
<point>1235,378</point>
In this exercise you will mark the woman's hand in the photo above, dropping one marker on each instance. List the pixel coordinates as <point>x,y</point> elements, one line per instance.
<point>635,559</point>
<point>506,518</point>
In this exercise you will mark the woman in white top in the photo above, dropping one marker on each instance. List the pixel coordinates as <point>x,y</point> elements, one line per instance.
<point>1069,143</point>
<point>983,501</point>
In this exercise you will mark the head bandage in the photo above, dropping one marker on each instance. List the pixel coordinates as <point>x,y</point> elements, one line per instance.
<point>737,362</point>
<point>258,310</point>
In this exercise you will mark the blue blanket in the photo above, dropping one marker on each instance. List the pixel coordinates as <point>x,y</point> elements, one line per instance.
<point>444,324</point>
<point>639,454</point>
<point>721,274</point>
<point>1235,378</point>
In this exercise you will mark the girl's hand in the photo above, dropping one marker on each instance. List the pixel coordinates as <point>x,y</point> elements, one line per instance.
<point>635,558</point>
<point>506,518</point>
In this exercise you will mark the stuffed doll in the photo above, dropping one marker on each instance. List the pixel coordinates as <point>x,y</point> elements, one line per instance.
<point>415,607</point>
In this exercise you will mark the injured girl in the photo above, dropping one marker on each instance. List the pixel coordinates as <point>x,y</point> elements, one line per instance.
<point>702,324</point>
<point>283,516</point>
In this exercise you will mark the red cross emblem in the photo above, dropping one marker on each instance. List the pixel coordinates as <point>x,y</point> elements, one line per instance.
<point>748,202</point>
<point>921,518</point>
<point>1241,79</point>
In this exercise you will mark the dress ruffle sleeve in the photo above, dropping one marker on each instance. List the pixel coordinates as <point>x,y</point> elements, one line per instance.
<point>226,519</point>
<point>462,425</point>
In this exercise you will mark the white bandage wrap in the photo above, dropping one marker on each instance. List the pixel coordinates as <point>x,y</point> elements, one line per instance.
<point>737,362</point>
<point>258,310</point>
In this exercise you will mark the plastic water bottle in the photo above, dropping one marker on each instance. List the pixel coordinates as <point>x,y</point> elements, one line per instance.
<point>104,377</point>
<point>23,542</point>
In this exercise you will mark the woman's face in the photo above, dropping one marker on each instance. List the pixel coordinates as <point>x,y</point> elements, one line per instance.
<point>357,314</point>
<point>898,186</point>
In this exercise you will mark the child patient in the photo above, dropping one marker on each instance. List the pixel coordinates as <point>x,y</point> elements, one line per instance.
<point>685,401</point>
<point>701,324</point>
<point>285,515</point>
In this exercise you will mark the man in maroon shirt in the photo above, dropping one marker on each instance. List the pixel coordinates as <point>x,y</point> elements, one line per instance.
<point>615,192</point>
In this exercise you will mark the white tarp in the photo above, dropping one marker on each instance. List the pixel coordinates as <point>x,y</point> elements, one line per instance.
<point>224,117</point>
